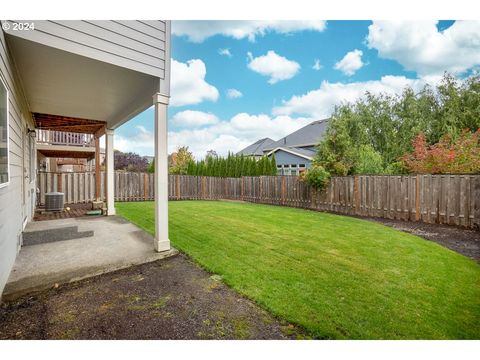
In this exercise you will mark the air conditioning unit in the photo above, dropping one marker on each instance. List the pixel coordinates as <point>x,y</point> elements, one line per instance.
<point>54,201</point>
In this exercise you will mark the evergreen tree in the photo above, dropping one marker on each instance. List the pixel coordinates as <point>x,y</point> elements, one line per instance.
<point>240,166</point>
<point>228,165</point>
<point>273,165</point>
<point>245,166</point>
<point>253,167</point>
<point>266,166</point>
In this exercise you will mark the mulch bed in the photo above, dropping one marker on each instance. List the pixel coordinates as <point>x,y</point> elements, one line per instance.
<point>167,299</point>
<point>461,240</point>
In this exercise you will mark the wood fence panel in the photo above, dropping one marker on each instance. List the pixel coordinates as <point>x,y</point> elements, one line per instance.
<point>442,199</point>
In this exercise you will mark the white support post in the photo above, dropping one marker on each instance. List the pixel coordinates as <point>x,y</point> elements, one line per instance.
<point>109,172</point>
<point>162,243</point>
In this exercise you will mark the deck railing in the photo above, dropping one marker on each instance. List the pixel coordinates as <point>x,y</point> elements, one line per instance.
<point>64,138</point>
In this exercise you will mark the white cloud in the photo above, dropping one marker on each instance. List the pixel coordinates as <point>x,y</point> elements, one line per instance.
<point>419,46</point>
<point>191,118</point>
<point>225,52</point>
<point>316,65</point>
<point>188,85</point>
<point>141,142</point>
<point>320,103</point>
<point>234,134</point>
<point>198,31</point>
<point>222,136</point>
<point>277,67</point>
<point>351,62</point>
<point>234,94</point>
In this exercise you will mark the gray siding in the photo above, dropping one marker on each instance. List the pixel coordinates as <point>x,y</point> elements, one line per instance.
<point>136,45</point>
<point>12,211</point>
<point>285,158</point>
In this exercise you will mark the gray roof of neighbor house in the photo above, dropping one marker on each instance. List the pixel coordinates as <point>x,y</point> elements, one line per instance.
<point>257,147</point>
<point>308,135</point>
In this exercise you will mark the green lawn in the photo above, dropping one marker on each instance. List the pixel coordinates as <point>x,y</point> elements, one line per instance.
<point>337,277</point>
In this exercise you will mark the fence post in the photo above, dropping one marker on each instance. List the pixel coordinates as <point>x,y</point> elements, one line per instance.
<point>177,178</point>
<point>417,198</point>
<point>242,184</point>
<point>283,189</point>
<point>260,193</point>
<point>356,192</point>
<point>145,186</point>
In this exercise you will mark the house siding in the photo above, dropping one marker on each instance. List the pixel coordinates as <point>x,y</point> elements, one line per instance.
<point>12,210</point>
<point>285,158</point>
<point>136,45</point>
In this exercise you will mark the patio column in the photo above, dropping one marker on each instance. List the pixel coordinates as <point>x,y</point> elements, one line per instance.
<point>109,171</point>
<point>162,243</point>
<point>97,169</point>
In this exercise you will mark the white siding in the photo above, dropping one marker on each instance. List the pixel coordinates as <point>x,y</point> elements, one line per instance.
<point>136,45</point>
<point>11,197</point>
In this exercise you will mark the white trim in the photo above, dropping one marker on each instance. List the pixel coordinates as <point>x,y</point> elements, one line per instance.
<point>33,157</point>
<point>160,98</point>
<point>296,145</point>
<point>161,242</point>
<point>109,171</point>
<point>289,151</point>
<point>5,184</point>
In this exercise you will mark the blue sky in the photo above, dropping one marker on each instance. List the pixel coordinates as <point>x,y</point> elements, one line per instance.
<point>270,67</point>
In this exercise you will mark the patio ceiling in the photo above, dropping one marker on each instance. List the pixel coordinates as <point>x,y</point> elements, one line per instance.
<point>76,89</point>
<point>68,124</point>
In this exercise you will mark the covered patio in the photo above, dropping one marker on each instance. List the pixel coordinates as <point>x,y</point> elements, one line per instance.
<point>78,87</point>
<point>65,250</point>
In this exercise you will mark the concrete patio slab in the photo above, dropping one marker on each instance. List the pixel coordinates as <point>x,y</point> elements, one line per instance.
<point>112,244</point>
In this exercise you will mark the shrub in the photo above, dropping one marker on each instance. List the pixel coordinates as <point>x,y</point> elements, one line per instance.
<point>316,176</point>
<point>367,161</point>
<point>448,156</point>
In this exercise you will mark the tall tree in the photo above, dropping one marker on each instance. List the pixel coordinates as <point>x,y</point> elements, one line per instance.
<point>180,160</point>
<point>130,161</point>
<point>374,132</point>
<point>273,165</point>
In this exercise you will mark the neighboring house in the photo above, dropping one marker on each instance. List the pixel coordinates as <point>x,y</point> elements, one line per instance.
<point>256,149</point>
<point>76,77</point>
<point>294,153</point>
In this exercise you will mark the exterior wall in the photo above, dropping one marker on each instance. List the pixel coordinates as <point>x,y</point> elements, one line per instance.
<point>285,158</point>
<point>136,45</point>
<point>15,198</point>
<point>285,161</point>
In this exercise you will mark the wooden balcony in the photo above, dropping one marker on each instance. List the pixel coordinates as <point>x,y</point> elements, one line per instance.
<point>51,137</point>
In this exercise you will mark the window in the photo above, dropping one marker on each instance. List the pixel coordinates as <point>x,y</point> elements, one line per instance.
<point>302,165</point>
<point>4,170</point>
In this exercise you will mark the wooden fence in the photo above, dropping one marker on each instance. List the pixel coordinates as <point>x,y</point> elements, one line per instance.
<point>442,199</point>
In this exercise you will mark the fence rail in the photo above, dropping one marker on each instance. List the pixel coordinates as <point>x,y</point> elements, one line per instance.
<point>441,199</point>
